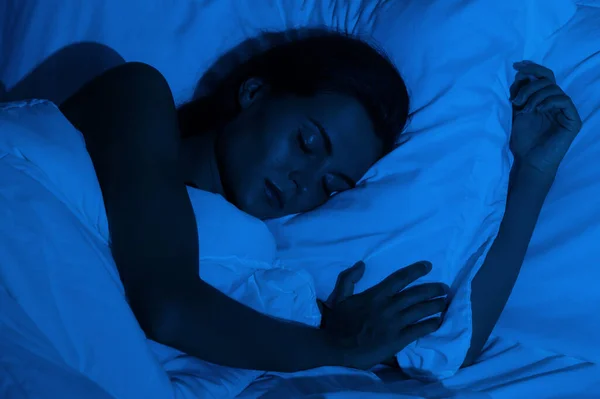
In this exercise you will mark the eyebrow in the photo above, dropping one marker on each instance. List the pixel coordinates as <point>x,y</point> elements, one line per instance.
<point>329,149</point>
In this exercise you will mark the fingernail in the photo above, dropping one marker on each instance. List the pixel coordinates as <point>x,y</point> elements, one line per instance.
<point>427,265</point>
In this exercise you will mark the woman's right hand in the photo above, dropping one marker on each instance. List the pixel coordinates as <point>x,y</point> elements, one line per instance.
<point>370,327</point>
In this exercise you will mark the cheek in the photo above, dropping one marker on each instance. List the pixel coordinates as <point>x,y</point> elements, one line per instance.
<point>265,139</point>
<point>276,129</point>
<point>358,157</point>
<point>278,151</point>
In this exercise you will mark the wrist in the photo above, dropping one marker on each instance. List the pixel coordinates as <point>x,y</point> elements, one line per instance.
<point>324,309</point>
<point>526,175</point>
<point>332,354</point>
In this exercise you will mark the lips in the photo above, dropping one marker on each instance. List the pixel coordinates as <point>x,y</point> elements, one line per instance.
<point>274,194</point>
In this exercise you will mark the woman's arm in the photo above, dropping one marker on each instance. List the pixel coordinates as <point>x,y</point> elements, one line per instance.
<point>494,282</point>
<point>129,121</point>
<point>545,124</point>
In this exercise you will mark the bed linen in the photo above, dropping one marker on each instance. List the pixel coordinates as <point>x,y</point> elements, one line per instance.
<point>584,93</point>
<point>508,370</point>
<point>422,201</point>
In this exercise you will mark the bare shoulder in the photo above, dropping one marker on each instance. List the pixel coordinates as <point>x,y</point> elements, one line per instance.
<point>138,75</point>
<point>130,85</point>
<point>129,105</point>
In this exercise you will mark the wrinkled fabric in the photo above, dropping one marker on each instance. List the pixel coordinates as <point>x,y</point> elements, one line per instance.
<point>58,278</point>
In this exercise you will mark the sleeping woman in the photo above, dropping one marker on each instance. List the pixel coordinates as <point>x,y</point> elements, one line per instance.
<point>283,133</point>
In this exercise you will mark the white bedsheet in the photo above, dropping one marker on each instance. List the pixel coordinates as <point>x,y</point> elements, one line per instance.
<point>508,370</point>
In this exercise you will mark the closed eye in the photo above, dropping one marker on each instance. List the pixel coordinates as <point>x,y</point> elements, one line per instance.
<point>303,144</point>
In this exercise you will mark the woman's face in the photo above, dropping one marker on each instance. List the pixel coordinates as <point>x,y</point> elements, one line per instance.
<point>284,155</point>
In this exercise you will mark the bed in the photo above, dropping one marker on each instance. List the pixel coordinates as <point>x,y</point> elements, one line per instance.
<point>67,332</point>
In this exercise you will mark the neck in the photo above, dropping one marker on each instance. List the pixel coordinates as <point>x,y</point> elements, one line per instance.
<point>199,163</point>
<point>198,151</point>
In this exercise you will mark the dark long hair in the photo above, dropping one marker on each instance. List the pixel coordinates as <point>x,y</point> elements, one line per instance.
<point>324,61</point>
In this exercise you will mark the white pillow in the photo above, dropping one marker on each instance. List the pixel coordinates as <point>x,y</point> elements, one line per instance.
<point>436,189</point>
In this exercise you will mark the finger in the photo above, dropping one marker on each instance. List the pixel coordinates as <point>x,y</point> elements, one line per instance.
<point>398,280</point>
<point>562,103</point>
<point>540,72</point>
<point>346,281</point>
<point>529,89</point>
<point>536,98</point>
<point>418,330</point>
<point>421,311</point>
<point>566,115</point>
<point>415,295</point>
<point>521,79</point>
<point>572,126</point>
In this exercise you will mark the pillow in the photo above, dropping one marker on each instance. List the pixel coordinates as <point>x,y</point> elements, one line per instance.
<point>439,197</point>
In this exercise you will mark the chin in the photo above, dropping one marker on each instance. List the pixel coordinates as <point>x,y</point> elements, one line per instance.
<point>257,210</point>
<point>243,202</point>
<point>243,198</point>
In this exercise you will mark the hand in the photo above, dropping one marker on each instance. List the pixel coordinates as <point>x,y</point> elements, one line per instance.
<point>545,120</point>
<point>371,327</point>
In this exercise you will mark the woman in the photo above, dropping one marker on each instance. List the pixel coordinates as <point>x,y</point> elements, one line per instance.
<point>281,135</point>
